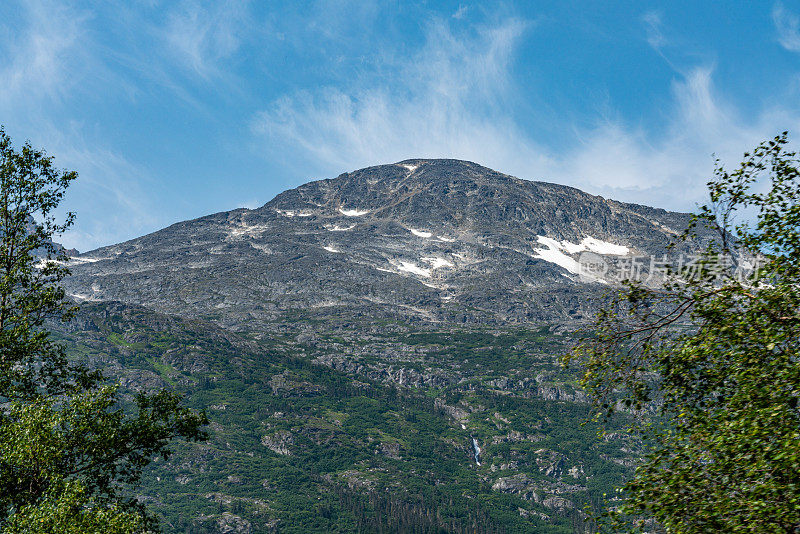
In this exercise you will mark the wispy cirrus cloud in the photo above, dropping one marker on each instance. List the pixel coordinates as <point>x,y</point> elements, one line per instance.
<point>48,63</point>
<point>444,101</point>
<point>450,100</point>
<point>787,24</point>
<point>652,23</point>
<point>333,86</point>
<point>201,36</point>
<point>669,165</point>
<point>114,197</point>
<point>460,12</point>
<point>43,56</point>
<point>56,63</point>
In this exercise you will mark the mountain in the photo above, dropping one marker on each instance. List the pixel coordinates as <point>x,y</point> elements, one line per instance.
<point>58,248</point>
<point>376,352</point>
<point>421,240</point>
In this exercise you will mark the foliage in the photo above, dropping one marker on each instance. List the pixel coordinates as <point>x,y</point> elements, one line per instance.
<point>337,476</point>
<point>31,187</point>
<point>710,363</point>
<point>67,508</point>
<point>69,450</point>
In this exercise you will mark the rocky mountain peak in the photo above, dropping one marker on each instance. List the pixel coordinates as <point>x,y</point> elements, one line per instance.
<point>403,187</point>
<point>455,195</point>
<point>421,239</point>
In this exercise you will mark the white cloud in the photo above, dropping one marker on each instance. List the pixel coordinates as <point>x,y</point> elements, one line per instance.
<point>49,66</point>
<point>652,22</point>
<point>670,168</point>
<point>787,25</point>
<point>45,56</point>
<point>447,101</point>
<point>202,37</point>
<point>54,64</point>
<point>452,100</point>
<point>460,12</point>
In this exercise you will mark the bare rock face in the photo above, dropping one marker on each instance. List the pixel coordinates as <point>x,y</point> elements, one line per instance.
<point>560,504</point>
<point>421,240</point>
<point>440,291</point>
<point>550,463</point>
<point>285,385</point>
<point>229,523</point>
<point>513,484</point>
<point>548,494</point>
<point>279,442</point>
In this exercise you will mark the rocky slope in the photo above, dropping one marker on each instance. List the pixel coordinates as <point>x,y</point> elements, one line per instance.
<point>421,240</point>
<point>376,352</point>
<point>399,430</point>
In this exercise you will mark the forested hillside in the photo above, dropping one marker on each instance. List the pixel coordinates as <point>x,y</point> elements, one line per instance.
<point>298,446</point>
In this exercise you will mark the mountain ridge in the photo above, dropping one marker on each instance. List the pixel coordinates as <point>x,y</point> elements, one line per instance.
<point>376,351</point>
<point>438,240</point>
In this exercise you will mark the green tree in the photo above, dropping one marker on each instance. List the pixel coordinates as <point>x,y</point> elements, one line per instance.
<point>710,363</point>
<point>69,452</point>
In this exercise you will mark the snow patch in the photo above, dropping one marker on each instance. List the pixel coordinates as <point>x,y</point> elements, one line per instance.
<point>78,261</point>
<point>593,244</point>
<point>553,254</point>
<point>329,248</point>
<point>590,244</point>
<point>353,213</point>
<point>411,168</point>
<point>337,228</point>
<point>293,213</point>
<point>436,263</point>
<point>557,252</point>
<point>445,239</point>
<point>420,233</point>
<point>409,267</point>
<point>72,261</point>
<point>83,297</point>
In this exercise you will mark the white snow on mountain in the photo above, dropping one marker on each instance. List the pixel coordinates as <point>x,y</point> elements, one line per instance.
<point>293,213</point>
<point>353,213</point>
<point>409,267</point>
<point>411,168</point>
<point>559,252</point>
<point>436,263</point>
<point>554,254</point>
<point>598,246</point>
<point>420,233</point>
<point>337,228</point>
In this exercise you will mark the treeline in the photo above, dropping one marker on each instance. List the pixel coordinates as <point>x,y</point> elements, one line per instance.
<point>382,513</point>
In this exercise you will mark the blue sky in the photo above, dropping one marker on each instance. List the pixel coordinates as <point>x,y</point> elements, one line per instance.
<point>173,110</point>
